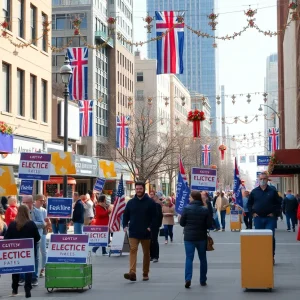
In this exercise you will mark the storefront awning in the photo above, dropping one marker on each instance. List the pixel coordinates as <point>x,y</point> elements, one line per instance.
<point>288,162</point>
<point>59,180</point>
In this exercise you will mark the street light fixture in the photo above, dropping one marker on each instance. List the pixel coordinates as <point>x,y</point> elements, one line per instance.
<point>261,109</point>
<point>66,73</point>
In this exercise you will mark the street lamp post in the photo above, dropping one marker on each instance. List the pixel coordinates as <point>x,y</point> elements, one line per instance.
<point>66,73</point>
<point>261,109</point>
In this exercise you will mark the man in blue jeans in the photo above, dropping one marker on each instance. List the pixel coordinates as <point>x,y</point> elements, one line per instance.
<point>264,206</point>
<point>196,220</point>
<point>289,208</point>
<point>78,214</point>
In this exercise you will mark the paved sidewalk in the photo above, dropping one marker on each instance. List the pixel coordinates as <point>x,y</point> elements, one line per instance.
<point>167,276</point>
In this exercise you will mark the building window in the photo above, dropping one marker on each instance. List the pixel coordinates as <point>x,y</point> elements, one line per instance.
<point>20,92</point>
<point>45,36</point>
<point>44,101</point>
<point>33,97</point>
<point>7,12</point>
<point>6,87</point>
<point>21,18</point>
<point>60,22</point>
<point>33,24</point>
<point>139,95</point>
<point>139,76</point>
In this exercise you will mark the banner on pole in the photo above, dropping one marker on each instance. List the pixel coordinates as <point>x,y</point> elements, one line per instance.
<point>182,194</point>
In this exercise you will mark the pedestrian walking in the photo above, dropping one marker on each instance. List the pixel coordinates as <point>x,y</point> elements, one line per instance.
<point>221,204</point>
<point>168,211</point>
<point>88,210</point>
<point>154,247</point>
<point>139,215</point>
<point>78,214</point>
<point>196,220</point>
<point>289,208</point>
<point>23,228</point>
<point>264,206</point>
<point>247,215</point>
<point>12,210</point>
<point>3,226</point>
<point>102,217</point>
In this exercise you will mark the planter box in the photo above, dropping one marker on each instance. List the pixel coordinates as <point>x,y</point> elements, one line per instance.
<point>6,143</point>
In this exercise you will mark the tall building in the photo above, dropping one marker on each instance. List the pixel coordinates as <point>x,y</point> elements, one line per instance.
<point>199,56</point>
<point>271,87</point>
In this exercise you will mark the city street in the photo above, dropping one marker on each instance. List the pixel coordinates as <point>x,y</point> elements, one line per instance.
<point>167,276</point>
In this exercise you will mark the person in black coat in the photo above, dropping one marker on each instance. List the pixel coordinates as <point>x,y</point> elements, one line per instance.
<point>196,221</point>
<point>22,228</point>
<point>78,214</point>
<point>154,247</point>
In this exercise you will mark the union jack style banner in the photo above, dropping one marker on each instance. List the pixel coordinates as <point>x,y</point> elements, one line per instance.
<point>171,44</point>
<point>182,171</point>
<point>206,155</point>
<point>273,139</point>
<point>78,86</point>
<point>122,136</point>
<point>86,117</point>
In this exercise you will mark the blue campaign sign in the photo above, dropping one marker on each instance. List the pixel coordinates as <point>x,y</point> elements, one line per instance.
<point>182,195</point>
<point>99,184</point>
<point>26,187</point>
<point>59,208</point>
<point>263,160</point>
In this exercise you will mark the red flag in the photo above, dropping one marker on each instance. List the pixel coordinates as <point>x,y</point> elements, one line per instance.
<point>182,170</point>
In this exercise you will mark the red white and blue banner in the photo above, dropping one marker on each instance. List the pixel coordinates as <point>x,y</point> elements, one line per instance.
<point>78,86</point>
<point>182,171</point>
<point>273,139</point>
<point>122,134</point>
<point>171,44</point>
<point>86,117</point>
<point>17,256</point>
<point>237,187</point>
<point>206,155</point>
<point>98,235</point>
<point>68,248</point>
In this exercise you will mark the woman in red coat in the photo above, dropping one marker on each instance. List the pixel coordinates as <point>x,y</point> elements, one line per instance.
<point>102,212</point>
<point>11,211</point>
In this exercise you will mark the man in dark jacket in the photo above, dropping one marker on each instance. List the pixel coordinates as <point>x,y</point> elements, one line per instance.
<point>78,214</point>
<point>196,220</point>
<point>140,216</point>
<point>264,206</point>
<point>289,208</point>
<point>154,248</point>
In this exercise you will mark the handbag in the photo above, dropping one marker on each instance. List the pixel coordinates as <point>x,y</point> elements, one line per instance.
<point>161,232</point>
<point>210,243</point>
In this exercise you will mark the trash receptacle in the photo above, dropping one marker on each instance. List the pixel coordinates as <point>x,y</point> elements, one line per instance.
<point>257,259</point>
<point>235,220</point>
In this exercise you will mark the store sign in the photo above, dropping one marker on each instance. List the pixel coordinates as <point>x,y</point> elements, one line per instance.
<point>17,256</point>
<point>204,179</point>
<point>263,160</point>
<point>98,235</point>
<point>35,166</point>
<point>68,248</point>
<point>86,166</point>
<point>59,208</point>
<point>26,187</point>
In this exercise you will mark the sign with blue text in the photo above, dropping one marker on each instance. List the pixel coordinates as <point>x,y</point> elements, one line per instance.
<point>59,208</point>
<point>99,185</point>
<point>26,187</point>
<point>263,160</point>
<point>182,194</point>
<point>17,256</point>
<point>204,179</point>
<point>35,166</point>
<point>98,235</point>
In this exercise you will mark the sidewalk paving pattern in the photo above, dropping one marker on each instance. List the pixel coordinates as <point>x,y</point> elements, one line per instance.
<point>167,277</point>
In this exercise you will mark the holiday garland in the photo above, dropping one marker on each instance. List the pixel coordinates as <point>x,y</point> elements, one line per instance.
<point>5,129</point>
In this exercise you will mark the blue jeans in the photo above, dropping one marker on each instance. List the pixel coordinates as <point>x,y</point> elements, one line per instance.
<point>43,250</point>
<point>291,217</point>
<point>168,232</point>
<point>59,228</point>
<point>223,216</point>
<point>266,223</point>
<point>190,247</point>
<point>78,227</point>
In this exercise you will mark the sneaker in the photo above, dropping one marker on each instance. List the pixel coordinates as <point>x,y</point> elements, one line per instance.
<point>187,284</point>
<point>21,282</point>
<point>105,254</point>
<point>216,230</point>
<point>34,282</point>
<point>14,293</point>
<point>155,260</point>
<point>130,276</point>
<point>42,273</point>
<point>288,230</point>
<point>223,229</point>
<point>294,230</point>
<point>145,277</point>
<point>166,242</point>
<point>203,283</point>
<point>27,294</point>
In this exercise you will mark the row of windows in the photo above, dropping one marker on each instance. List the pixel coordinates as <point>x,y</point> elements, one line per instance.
<point>125,10</point>
<point>125,82</point>
<point>20,24</point>
<point>125,62</point>
<point>77,41</point>
<point>21,91</point>
<point>123,100</point>
<point>63,22</point>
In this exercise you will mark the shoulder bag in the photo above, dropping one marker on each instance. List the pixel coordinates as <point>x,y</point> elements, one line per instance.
<point>210,243</point>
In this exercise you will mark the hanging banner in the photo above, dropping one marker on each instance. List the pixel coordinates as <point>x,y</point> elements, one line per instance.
<point>35,166</point>
<point>98,235</point>
<point>59,208</point>
<point>263,160</point>
<point>7,181</point>
<point>204,179</point>
<point>99,185</point>
<point>17,256</point>
<point>182,195</point>
<point>107,169</point>
<point>26,187</point>
<point>63,163</point>
<point>68,248</point>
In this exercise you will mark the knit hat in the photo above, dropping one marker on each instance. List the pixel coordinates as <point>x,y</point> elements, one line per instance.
<point>160,195</point>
